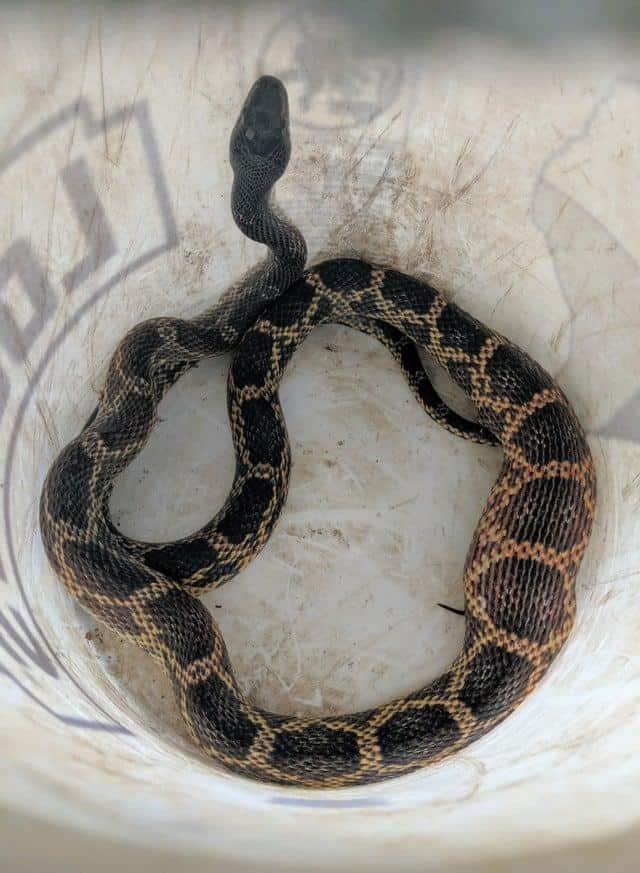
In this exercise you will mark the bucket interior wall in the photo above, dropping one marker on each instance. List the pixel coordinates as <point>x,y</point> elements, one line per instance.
<point>505,176</point>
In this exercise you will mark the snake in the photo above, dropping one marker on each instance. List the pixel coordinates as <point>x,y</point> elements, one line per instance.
<point>520,571</point>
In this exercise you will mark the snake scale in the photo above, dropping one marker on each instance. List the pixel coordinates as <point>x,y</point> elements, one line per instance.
<point>520,571</point>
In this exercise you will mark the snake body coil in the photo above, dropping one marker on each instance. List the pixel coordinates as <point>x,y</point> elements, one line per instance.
<point>520,571</point>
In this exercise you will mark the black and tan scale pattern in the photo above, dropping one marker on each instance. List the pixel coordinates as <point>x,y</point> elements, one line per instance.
<point>519,574</point>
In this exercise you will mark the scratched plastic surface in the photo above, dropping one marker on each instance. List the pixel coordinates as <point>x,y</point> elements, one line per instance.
<point>513,184</point>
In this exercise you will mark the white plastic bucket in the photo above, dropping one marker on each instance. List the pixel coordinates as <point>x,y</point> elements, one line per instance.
<point>509,181</point>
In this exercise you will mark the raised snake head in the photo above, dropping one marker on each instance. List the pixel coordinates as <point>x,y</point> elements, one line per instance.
<point>260,145</point>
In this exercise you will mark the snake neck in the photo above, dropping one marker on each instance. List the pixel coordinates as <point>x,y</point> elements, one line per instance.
<point>259,219</point>
<point>262,221</point>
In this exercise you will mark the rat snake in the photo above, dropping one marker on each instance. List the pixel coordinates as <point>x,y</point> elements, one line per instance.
<point>520,571</point>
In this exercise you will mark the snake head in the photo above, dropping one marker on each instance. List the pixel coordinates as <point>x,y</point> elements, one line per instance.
<point>260,139</point>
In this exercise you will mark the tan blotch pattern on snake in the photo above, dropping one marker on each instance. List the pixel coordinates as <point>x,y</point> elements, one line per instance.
<point>520,572</point>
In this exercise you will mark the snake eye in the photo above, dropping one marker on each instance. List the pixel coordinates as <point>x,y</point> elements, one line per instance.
<point>250,133</point>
